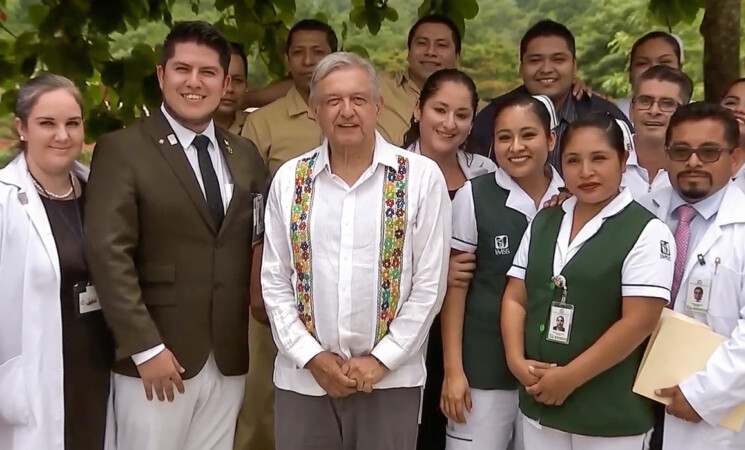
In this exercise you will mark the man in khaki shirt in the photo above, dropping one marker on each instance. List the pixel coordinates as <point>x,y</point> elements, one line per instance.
<point>281,131</point>
<point>434,43</point>
<point>229,114</point>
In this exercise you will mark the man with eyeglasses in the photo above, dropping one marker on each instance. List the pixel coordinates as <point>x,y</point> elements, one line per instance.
<point>705,210</point>
<point>659,92</point>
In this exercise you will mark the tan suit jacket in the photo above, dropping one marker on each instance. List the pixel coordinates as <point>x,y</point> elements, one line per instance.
<point>163,273</point>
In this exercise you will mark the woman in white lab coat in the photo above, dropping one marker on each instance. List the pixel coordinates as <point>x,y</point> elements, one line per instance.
<point>55,350</point>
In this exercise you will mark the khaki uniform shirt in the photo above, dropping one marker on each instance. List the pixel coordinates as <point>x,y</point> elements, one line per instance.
<point>400,95</point>
<point>282,130</point>
<point>240,118</point>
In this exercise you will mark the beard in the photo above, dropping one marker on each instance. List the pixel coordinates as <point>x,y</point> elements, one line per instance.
<point>694,190</point>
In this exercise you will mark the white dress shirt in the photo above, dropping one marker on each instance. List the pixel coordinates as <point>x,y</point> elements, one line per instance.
<point>185,137</point>
<point>647,271</point>
<point>465,228</point>
<point>471,164</point>
<point>345,261</point>
<point>636,178</point>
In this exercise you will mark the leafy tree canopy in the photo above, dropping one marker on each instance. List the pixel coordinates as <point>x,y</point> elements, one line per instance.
<point>110,47</point>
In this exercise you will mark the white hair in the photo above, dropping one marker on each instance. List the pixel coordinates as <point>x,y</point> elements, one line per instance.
<point>340,60</point>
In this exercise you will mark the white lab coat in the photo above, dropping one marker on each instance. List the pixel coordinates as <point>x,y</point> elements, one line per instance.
<point>739,177</point>
<point>714,391</point>
<point>31,379</point>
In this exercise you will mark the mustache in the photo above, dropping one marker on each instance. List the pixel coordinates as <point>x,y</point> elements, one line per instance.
<point>694,172</point>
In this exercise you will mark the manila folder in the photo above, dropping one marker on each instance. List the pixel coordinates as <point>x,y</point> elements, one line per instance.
<point>679,347</point>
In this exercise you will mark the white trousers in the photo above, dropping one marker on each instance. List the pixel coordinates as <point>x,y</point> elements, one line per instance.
<point>202,418</point>
<point>490,424</point>
<point>538,437</point>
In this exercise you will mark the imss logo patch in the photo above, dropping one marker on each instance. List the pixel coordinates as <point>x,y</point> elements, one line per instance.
<point>502,245</point>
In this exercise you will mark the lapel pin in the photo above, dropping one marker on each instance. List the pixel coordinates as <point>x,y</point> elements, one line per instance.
<point>161,141</point>
<point>228,147</point>
<point>22,198</point>
<point>172,139</point>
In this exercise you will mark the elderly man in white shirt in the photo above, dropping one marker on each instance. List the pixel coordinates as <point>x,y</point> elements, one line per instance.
<point>354,272</point>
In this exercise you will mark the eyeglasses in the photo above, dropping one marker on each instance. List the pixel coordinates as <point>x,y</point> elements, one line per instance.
<point>645,102</point>
<point>707,153</point>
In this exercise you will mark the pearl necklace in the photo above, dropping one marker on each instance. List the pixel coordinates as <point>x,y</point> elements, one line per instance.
<point>52,195</point>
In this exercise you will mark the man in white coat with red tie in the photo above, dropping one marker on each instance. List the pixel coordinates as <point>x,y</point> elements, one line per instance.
<point>705,211</point>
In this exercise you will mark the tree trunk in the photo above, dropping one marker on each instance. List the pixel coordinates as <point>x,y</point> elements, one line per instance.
<point>720,29</point>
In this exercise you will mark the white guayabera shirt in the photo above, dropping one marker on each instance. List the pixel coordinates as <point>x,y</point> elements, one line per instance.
<point>355,270</point>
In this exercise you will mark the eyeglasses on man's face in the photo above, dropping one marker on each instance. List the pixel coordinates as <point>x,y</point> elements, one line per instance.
<point>645,102</point>
<point>707,153</point>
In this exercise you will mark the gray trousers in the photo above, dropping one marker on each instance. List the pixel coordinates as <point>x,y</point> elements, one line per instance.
<point>385,419</point>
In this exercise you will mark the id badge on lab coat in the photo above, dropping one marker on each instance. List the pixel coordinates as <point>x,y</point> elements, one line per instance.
<point>86,297</point>
<point>560,322</point>
<point>697,294</point>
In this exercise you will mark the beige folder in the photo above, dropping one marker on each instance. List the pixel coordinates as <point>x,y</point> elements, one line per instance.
<point>679,347</point>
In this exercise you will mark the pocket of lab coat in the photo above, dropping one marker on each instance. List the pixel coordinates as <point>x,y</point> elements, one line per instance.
<point>15,408</point>
<point>724,303</point>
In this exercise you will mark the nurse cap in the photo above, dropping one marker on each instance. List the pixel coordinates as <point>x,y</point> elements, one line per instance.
<point>551,110</point>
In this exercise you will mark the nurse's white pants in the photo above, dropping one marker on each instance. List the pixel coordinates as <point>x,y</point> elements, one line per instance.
<point>538,437</point>
<point>490,425</point>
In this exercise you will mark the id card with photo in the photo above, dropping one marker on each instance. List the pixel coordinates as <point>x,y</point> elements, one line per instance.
<point>697,294</point>
<point>87,298</point>
<point>560,322</point>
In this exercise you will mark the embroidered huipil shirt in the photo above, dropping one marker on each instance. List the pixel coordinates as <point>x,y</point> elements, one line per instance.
<point>355,270</point>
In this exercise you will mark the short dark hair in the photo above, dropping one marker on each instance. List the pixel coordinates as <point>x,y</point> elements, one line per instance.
<point>547,27</point>
<point>237,49</point>
<point>602,121</point>
<point>437,18</point>
<point>501,104</point>
<point>313,25</point>
<point>200,32</point>
<point>731,85</point>
<point>667,37</point>
<point>698,111</point>
<point>667,73</point>
<point>431,86</point>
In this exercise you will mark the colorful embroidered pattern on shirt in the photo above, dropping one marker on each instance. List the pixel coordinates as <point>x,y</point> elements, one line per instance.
<point>392,245</point>
<point>300,239</point>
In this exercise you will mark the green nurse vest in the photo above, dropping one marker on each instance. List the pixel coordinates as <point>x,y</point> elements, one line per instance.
<point>500,230</point>
<point>605,405</point>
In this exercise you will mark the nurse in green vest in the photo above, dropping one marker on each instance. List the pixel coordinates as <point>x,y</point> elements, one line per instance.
<point>587,306</point>
<point>490,214</point>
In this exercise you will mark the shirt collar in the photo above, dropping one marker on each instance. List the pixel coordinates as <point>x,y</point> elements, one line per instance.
<point>403,79</point>
<point>707,207</point>
<point>622,200</point>
<point>567,112</point>
<point>186,136</point>
<point>384,154</point>
<point>519,200</point>
<point>295,103</point>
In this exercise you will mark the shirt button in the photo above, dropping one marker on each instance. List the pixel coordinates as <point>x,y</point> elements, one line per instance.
<point>541,328</point>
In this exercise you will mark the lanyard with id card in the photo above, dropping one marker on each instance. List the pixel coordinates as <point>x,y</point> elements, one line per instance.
<point>561,315</point>
<point>83,293</point>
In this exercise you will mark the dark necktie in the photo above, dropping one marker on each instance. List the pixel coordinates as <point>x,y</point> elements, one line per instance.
<point>209,179</point>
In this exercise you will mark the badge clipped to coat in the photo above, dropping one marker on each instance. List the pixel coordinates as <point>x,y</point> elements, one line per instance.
<point>560,318</point>
<point>87,298</point>
<point>697,294</point>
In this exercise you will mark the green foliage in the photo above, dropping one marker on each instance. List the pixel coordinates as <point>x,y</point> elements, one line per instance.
<point>110,47</point>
